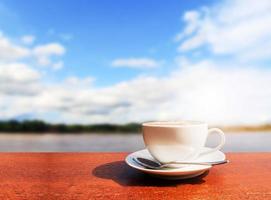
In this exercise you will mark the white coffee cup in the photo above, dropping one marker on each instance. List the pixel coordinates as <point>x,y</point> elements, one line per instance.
<point>178,140</point>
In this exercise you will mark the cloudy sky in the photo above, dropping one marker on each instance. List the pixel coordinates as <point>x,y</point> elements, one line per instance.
<point>133,61</point>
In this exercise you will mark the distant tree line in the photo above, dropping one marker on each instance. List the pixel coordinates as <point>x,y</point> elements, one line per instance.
<point>38,126</point>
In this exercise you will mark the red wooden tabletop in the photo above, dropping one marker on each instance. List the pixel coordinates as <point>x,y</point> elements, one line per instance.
<point>106,176</point>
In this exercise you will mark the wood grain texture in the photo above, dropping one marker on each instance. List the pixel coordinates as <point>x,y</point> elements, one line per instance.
<point>105,176</point>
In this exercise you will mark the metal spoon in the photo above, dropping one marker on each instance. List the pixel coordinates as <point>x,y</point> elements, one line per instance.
<point>150,164</point>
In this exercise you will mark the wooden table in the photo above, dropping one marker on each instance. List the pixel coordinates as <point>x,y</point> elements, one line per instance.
<point>105,176</point>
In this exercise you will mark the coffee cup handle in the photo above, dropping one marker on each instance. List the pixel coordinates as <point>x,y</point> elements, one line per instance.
<point>222,140</point>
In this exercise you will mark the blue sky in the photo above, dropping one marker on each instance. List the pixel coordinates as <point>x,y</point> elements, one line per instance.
<point>101,31</point>
<point>134,61</point>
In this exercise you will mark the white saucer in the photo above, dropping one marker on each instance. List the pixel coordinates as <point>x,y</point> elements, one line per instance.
<point>185,172</point>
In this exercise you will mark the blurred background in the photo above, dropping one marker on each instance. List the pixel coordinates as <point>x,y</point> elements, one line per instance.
<point>82,75</point>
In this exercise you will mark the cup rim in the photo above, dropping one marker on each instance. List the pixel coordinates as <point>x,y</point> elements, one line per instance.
<point>179,123</point>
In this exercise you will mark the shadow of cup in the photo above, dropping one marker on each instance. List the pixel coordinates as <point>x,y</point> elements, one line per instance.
<point>124,175</point>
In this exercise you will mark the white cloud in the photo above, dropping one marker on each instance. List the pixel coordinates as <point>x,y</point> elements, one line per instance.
<point>140,63</point>
<point>237,28</point>
<point>28,39</point>
<point>18,72</point>
<point>192,20</point>
<point>198,91</point>
<point>75,81</point>
<point>44,54</point>
<point>18,79</point>
<point>10,51</point>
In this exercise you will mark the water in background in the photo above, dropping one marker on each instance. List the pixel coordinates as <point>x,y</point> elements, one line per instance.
<point>242,142</point>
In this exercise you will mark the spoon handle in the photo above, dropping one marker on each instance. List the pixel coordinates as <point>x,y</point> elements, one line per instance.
<point>199,163</point>
<point>150,164</point>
